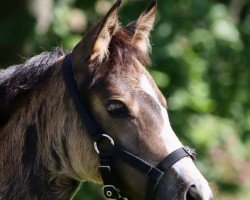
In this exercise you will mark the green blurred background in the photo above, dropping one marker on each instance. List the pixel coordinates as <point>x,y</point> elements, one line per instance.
<point>201,56</point>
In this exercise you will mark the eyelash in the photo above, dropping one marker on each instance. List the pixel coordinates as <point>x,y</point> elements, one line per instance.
<point>117,109</point>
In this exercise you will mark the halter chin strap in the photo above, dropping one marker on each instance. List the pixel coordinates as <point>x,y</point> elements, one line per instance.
<point>110,187</point>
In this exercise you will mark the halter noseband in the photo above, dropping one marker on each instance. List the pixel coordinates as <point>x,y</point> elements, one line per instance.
<point>110,189</point>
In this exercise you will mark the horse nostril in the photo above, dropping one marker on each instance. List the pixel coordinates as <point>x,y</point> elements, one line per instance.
<point>195,193</point>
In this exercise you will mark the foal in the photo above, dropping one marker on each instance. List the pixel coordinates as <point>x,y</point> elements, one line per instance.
<point>45,149</point>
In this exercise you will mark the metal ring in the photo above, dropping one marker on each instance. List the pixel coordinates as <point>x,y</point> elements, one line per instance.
<point>109,193</point>
<point>106,136</point>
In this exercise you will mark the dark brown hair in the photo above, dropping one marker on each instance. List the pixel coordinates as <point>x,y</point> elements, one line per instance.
<point>122,52</point>
<point>17,81</point>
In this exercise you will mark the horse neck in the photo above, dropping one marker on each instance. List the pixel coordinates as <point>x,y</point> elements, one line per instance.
<point>44,148</point>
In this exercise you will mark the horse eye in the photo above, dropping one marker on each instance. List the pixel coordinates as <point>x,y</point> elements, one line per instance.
<point>117,109</point>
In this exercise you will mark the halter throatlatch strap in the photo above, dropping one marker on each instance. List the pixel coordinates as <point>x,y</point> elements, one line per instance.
<point>110,188</point>
<point>90,125</point>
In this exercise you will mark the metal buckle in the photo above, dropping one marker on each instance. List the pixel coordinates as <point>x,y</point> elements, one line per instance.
<point>105,136</point>
<point>191,152</point>
<point>110,192</point>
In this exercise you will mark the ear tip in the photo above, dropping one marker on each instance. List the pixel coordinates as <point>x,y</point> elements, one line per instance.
<point>117,3</point>
<point>114,9</point>
<point>152,5</point>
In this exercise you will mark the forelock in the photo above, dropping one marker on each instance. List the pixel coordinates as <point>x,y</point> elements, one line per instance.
<point>122,55</point>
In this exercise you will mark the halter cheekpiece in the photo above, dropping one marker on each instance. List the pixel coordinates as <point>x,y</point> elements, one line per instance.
<point>110,188</point>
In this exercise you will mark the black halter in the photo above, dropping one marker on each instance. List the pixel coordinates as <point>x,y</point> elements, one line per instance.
<point>110,189</point>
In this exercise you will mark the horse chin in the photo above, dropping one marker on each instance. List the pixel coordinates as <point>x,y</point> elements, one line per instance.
<point>171,187</point>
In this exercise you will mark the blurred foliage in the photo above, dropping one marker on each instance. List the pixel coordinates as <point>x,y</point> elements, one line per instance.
<point>201,53</point>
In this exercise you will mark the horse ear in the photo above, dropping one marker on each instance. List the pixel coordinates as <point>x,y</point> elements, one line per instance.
<point>142,27</point>
<point>95,42</point>
<point>107,27</point>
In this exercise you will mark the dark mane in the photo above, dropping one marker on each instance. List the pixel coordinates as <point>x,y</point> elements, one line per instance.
<point>17,80</point>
